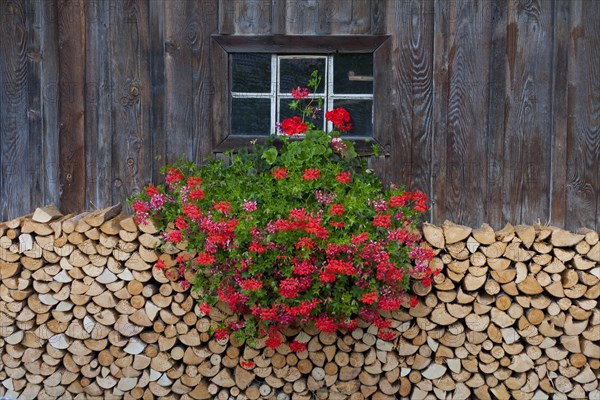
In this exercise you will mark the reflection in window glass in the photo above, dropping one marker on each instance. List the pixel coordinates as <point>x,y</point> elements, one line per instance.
<point>251,73</point>
<point>353,73</point>
<point>251,116</point>
<point>361,112</point>
<point>294,72</point>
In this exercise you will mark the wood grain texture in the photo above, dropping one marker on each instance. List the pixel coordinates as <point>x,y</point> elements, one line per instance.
<point>200,28</point>
<point>157,76</point>
<point>496,115</point>
<point>420,40</point>
<point>399,96</point>
<point>583,147</point>
<point>440,111</point>
<point>71,21</point>
<point>220,103</point>
<point>35,176</point>
<point>468,61</point>
<point>351,17</point>
<point>179,103</point>
<point>559,112</point>
<point>131,89</point>
<point>526,162</point>
<point>98,121</point>
<point>14,101</point>
<point>49,75</point>
<point>243,17</point>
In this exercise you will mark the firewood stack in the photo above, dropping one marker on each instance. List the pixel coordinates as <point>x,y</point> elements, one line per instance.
<point>83,315</point>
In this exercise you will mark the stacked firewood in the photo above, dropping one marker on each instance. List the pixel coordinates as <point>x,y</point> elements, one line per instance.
<point>83,314</point>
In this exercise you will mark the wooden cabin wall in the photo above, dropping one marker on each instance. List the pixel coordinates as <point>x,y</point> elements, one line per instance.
<point>494,104</point>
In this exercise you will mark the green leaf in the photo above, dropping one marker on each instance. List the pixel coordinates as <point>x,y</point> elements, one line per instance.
<point>270,155</point>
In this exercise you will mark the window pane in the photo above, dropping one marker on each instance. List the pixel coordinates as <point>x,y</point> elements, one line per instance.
<point>296,72</point>
<point>358,65</point>
<point>251,73</point>
<point>251,116</point>
<point>361,114</point>
<point>285,112</point>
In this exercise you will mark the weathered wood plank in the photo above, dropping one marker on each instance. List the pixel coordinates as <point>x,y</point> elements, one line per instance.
<point>399,96</point>
<point>583,143</point>
<point>72,99</point>
<point>496,114</point>
<point>220,106</point>
<point>560,65</point>
<point>35,173</point>
<point>440,113</point>
<point>179,111</point>
<point>98,121</point>
<point>420,46</point>
<point>204,23</point>
<point>14,200</point>
<point>49,75</point>
<point>468,60</point>
<point>157,71</point>
<point>131,90</point>
<point>527,142</point>
<point>378,17</point>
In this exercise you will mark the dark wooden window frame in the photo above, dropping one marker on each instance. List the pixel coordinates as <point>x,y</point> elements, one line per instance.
<point>223,45</point>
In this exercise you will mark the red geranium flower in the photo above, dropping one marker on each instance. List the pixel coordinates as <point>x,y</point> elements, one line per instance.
<point>173,175</point>
<point>205,259</point>
<point>384,221</point>
<point>369,298</point>
<point>300,93</point>
<point>194,181</point>
<point>196,194</point>
<point>160,264</point>
<point>151,190</point>
<point>340,119</point>
<point>273,341</point>
<point>337,209</point>
<point>280,173</point>
<point>174,236</point>
<point>297,347</point>
<point>343,177</point>
<point>294,125</point>
<point>413,302</point>
<point>221,333</point>
<point>223,206</point>
<point>311,174</point>
<point>204,308</point>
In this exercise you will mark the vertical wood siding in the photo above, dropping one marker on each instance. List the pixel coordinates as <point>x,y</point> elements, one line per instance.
<point>494,104</point>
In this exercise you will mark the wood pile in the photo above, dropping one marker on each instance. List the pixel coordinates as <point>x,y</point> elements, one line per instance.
<point>83,315</point>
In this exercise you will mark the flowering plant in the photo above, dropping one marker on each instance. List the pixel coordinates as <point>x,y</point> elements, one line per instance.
<point>291,233</point>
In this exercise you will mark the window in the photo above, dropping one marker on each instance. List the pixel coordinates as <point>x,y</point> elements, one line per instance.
<point>261,86</point>
<point>253,77</point>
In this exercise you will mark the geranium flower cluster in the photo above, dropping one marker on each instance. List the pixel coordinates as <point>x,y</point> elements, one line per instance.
<point>308,237</point>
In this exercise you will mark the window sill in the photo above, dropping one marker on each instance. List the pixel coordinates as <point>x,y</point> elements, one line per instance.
<point>363,146</point>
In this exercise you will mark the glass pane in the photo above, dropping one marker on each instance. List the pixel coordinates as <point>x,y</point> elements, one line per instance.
<point>353,73</point>
<point>251,73</point>
<point>251,116</point>
<point>285,112</point>
<point>296,72</point>
<point>361,114</point>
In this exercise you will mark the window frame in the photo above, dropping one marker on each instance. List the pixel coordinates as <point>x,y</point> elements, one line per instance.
<point>224,45</point>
